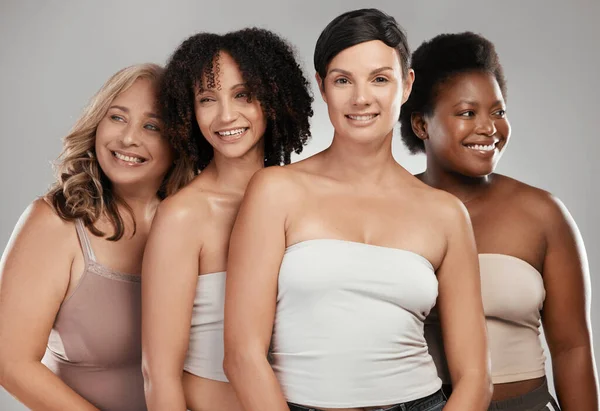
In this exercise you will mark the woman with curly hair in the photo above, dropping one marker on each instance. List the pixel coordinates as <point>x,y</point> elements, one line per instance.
<point>533,262</point>
<point>232,104</point>
<point>70,273</point>
<point>336,260</point>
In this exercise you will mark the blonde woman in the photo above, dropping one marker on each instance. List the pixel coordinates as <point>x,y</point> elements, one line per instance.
<point>70,288</point>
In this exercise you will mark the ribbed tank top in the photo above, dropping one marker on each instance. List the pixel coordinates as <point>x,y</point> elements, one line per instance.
<point>95,343</point>
<point>348,326</point>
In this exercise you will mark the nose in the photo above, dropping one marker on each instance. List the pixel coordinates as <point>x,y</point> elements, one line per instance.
<point>131,135</point>
<point>361,95</point>
<point>227,113</point>
<point>486,126</point>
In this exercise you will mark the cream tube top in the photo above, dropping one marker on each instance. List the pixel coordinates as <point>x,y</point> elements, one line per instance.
<point>513,295</point>
<point>348,326</point>
<point>205,351</point>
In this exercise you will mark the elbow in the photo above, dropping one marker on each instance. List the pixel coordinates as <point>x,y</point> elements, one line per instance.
<point>151,374</point>
<point>237,360</point>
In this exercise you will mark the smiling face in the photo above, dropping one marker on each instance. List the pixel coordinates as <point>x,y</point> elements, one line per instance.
<point>364,91</point>
<point>129,145</point>
<point>468,129</point>
<point>229,117</point>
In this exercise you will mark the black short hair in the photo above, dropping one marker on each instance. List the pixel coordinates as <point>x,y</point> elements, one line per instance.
<point>435,62</point>
<point>359,26</point>
<point>274,77</point>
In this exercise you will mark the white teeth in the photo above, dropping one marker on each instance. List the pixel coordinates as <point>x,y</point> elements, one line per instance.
<point>481,147</point>
<point>128,158</point>
<point>235,132</point>
<point>362,118</point>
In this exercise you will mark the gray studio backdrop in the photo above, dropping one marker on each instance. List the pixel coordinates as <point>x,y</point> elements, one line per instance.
<point>55,55</point>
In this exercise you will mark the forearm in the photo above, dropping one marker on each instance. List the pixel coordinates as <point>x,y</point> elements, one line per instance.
<point>164,393</point>
<point>255,384</point>
<point>38,388</point>
<point>471,392</point>
<point>575,379</point>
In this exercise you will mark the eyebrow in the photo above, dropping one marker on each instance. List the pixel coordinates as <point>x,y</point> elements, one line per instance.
<point>474,103</point>
<point>205,90</point>
<point>347,73</point>
<point>126,110</point>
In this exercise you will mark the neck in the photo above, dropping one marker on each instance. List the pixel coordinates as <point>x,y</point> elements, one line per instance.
<point>143,200</point>
<point>360,162</point>
<point>232,175</point>
<point>463,187</point>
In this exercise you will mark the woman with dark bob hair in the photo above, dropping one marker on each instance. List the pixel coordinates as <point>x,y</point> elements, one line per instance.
<point>533,263</point>
<point>232,104</point>
<point>336,260</point>
<point>70,300</point>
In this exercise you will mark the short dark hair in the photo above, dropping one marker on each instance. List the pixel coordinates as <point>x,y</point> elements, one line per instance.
<point>359,26</point>
<point>437,61</point>
<point>274,77</point>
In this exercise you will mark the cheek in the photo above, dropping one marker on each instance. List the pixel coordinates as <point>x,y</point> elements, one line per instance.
<point>336,100</point>
<point>204,120</point>
<point>503,128</point>
<point>161,151</point>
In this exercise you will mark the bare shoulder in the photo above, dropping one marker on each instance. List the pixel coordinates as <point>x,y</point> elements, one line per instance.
<point>539,204</point>
<point>41,231</point>
<point>282,183</point>
<point>439,203</point>
<point>186,208</point>
<point>41,218</point>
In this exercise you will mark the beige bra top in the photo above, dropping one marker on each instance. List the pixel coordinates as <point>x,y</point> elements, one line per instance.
<point>513,296</point>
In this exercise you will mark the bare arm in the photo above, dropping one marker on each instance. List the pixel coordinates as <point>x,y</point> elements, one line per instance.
<point>566,312</point>
<point>34,274</point>
<point>170,276</point>
<point>256,250</point>
<point>461,316</point>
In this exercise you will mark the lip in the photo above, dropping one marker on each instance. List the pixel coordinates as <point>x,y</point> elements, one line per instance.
<point>128,154</point>
<point>482,153</point>
<point>362,123</point>
<point>231,138</point>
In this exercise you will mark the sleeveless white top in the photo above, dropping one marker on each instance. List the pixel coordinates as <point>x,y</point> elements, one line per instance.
<point>348,327</point>
<point>206,350</point>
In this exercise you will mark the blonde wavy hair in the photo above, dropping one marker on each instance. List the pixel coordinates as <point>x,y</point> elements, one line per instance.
<point>82,190</point>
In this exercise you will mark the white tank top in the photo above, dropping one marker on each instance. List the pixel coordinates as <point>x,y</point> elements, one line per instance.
<point>205,351</point>
<point>348,326</point>
<point>513,295</point>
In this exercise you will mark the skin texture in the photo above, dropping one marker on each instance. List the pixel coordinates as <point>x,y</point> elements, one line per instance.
<point>190,237</point>
<point>528,223</point>
<point>43,261</point>
<point>353,191</point>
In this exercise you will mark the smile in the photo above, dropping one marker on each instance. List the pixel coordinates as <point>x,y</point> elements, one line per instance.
<point>362,117</point>
<point>480,147</point>
<point>234,132</point>
<point>129,159</point>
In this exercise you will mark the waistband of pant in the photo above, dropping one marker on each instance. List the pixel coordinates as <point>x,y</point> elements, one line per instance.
<point>396,407</point>
<point>540,395</point>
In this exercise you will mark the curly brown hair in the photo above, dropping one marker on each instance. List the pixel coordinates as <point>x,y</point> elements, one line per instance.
<point>82,190</point>
<point>273,76</point>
